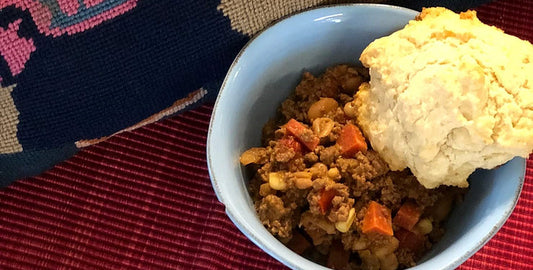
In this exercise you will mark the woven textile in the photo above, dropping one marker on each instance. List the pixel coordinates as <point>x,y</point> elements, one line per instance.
<point>142,199</point>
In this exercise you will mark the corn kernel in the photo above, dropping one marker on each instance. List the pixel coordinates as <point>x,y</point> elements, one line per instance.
<point>276,181</point>
<point>334,174</point>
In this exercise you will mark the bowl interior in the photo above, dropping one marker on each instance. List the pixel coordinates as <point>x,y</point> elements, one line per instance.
<point>264,74</point>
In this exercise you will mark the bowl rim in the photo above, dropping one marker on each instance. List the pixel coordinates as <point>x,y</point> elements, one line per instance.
<point>243,227</point>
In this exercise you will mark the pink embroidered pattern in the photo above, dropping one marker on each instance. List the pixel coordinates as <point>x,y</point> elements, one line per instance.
<point>15,50</point>
<point>42,15</point>
<point>92,3</point>
<point>70,7</point>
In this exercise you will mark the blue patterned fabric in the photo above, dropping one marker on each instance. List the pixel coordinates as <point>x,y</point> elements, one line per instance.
<point>81,70</point>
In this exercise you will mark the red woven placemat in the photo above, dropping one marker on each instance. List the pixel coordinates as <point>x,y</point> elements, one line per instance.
<point>143,200</point>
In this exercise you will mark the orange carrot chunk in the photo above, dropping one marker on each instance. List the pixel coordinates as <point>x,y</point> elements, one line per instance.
<point>302,134</point>
<point>351,141</point>
<point>377,219</point>
<point>324,202</point>
<point>407,216</point>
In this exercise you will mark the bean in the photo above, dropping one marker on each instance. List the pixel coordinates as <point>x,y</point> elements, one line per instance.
<point>322,108</point>
<point>350,110</point>
<point>322,126</point>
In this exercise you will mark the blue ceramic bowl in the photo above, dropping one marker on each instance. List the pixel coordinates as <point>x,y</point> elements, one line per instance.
<point>268,69</point>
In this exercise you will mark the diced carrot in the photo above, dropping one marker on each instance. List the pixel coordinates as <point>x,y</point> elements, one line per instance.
<point>377,219</point>
<point>290,142</point>
<point>324,202</point>
<point>302,134</point>
<point>298,243</point>
<point>351,141</point>
<point>338,257</point>
<point>410,240</point>
<point>407,216</point>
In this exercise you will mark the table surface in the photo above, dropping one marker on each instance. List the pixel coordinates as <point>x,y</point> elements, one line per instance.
<point>143,200</point>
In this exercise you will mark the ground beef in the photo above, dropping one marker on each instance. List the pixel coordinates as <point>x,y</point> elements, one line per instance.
<point>283,154</point>
<point>322,196</point>
<point>310,158</point>
<point>275,216</point>
<point>364,166</point>
<point>341,203</point>
<point>328,155</point>
<point>294,198</point>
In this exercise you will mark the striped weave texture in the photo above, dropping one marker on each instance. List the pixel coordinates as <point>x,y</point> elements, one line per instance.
<point>143,200</point>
